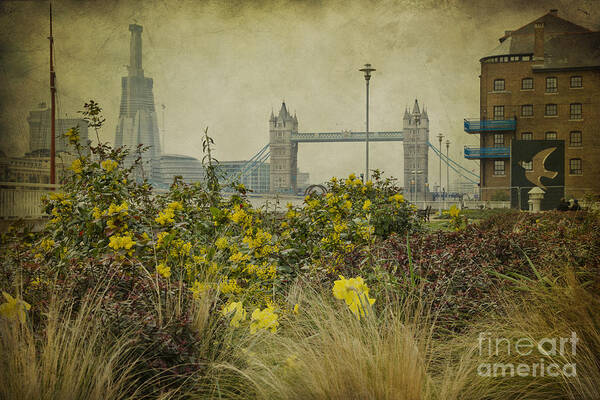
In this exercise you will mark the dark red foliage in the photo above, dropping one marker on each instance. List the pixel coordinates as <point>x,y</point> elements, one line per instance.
<point>453,269</point>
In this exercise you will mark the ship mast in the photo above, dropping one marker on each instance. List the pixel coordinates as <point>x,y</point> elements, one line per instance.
<point>52,107</point>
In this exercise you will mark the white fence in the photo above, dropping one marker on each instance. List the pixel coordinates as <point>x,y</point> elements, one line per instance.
<point>23,200</point>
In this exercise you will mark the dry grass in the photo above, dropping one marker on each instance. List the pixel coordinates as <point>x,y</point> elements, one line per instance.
<point>553,309</point>
<point>73,358</point>
<point>325,352</point>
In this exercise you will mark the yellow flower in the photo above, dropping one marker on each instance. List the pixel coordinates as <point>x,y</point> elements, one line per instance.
<point>109,165</point>
<point>175,205</point>
<point>76,166</point>
<point>163,270</point>
<point>296,308</point>
<point>47,244</point>
<point>121,242</point>
<point>166,216</point>
<point>238,312</point>
<point>355,293</point>
<point>57,196</point>
<point>97,213</point>
<point>238,257</point>
<point>454,211</point>
<point>352,176</point>
<point>72,135</point>
<point>264,319</point>
<point>367,204</point>
<point>229,286</point>
<point>397,197</point>
<point>14,308</point>
<point>221,243</point>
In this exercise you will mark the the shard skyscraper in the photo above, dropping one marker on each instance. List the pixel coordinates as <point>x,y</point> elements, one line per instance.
<point>137,116</point>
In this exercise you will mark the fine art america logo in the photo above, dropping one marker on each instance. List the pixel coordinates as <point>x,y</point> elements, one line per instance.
<point>532,358</point>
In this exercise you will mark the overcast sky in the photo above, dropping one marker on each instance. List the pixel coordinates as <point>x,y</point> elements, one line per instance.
<point>226,64</point>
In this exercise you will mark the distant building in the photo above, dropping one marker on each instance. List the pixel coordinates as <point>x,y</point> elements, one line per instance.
<point>256,179</point>
<point>40,132</point>
<point>138,125</point>
<point>540,96</point>
<point>137,116</point>
<point>303,181</point>
<point>416,152</point>
<point>34,166</point>
<point>31,169</point>
<point>189,168</point>
<point>284,151</point>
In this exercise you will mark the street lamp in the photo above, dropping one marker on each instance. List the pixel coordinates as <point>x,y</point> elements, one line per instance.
<point>447,168</point>
<point>440,137</point>
<point>367,70</point>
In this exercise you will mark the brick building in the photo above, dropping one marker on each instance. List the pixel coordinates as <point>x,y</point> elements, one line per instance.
<point>541,83</point>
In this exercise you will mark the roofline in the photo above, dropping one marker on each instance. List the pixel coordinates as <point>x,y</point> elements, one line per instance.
<point>505,55</point>
<point>548,13</point>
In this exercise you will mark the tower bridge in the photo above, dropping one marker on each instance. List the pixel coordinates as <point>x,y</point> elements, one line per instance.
<point>284,139</point>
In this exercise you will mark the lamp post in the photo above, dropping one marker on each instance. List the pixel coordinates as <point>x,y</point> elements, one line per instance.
<point>367,70</point>
<point>447,168</point>
<point>440,137</point>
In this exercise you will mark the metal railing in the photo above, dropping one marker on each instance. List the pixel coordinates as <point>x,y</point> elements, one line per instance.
<point>23,200</point>
<point>475,153</point>
<point>478,125</point>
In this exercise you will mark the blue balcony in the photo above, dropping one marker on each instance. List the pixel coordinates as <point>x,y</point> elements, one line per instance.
<point>477,153</point>
<point>497,125</point>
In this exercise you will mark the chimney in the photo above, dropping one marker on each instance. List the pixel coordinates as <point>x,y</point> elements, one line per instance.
<point>554,11</point>
<point>538,47</point>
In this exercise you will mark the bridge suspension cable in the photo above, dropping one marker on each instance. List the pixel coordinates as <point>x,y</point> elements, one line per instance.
<point>459,169</point>
<point>252,164</point>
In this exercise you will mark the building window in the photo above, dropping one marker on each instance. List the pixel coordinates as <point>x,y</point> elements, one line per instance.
<point>526,58</point>
<point>552,84</point>
<point>498,112</point>
<point>527,165</point>
<point>575,166</point>
<point>527,110</point>
<point>527,136</point>
<point>550,135</point>
<point>499,167</point>
<point>575,139</point>
<point>576,81</point>
<point>575,111</point>
<point>498,85</point>
<point>551,109</point>
<point>498,139</point>
<point>527,84</point>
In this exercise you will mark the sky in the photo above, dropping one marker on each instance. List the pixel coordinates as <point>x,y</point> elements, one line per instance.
<point>226,64</point>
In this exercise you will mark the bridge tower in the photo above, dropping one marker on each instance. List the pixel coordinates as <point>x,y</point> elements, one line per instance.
<point>284,151</point>
<point>416,151</point>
